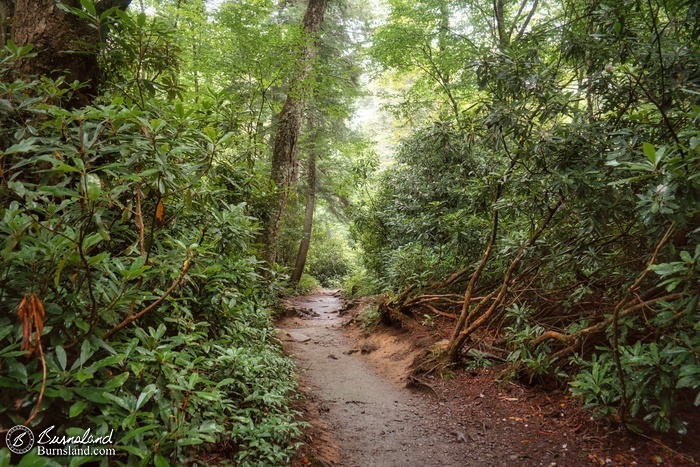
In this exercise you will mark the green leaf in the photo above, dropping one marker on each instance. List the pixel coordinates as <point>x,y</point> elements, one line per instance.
<point>81,460</point>
<point>109,361</point>
<point>135,432</point>
<point>65,168</point>
<point>194,378</point>
<point>89,7</point>
<point>84,374</point>
<point>117,381</point>
<point>26,145</point>
<point>650,152</point>
<point>17,187</point>
<point>208,396</point>
<point>188,442</point>
<point>145,395</point>
<point>86,351</point>
<point>5,457</point>
<point>60,391</point>
<point>688,382</point>
<point>132,450</point>
<point>61,357</point>
<point>92,394</point>
<point>93,186</point>
<point>211,133</point>
<point>33,459</point>
<point>57,275</point>
<point>123,403</point>
<point>77,408</point>
<point>209,427</point>
<point>92,240</point>
<point>82,325</point>
<point>104,233</point>
<point>160,461</point>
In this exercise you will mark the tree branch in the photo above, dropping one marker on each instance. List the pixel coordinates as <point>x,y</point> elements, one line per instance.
<point>131,318</point>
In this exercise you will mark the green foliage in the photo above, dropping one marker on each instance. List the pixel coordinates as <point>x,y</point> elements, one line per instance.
<point>421,224</point>
<point>330,258</point>
<point>307,284</point>
<point>597,384</point>
<point>359,283</point>
<point>535,363</point>
<point>654,371</point>
<point>125,205</point>
<point>370,316</point>
<point>589,107</point>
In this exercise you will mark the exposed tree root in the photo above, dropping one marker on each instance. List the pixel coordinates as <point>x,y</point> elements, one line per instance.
<point>414,381</point>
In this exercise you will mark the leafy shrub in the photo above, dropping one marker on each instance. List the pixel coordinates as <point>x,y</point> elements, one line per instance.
<point>109,212</point>
<point>330,257</point>
<point>307,284</point>
<point>359,283</point>
<point>370,316</point>
<point>520,330</point>
<point>599,171</point>
<point>422,223</point>
<point>597,384</point>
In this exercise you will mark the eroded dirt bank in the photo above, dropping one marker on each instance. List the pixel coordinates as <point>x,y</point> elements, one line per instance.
<point>364,416</point>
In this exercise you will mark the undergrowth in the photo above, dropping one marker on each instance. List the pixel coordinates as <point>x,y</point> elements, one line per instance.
<point>127,274</point>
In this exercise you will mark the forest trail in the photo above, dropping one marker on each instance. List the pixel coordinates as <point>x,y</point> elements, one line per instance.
<point>368,419</point>
<point>363,415</point>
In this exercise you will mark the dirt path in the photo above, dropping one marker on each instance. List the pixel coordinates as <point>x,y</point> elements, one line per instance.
<point>363,415</point>
<point>375,421</point>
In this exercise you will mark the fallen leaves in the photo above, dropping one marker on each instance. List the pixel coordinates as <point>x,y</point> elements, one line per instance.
<point>160,213</point>
<point>31,314</point>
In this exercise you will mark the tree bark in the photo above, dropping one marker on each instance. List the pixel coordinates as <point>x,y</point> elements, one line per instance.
<point>289,127</point>
<point>7,8</point>
<point>308,217</point>
<point>64,44</point>
<point>503,39</point>
<point>458,339</point>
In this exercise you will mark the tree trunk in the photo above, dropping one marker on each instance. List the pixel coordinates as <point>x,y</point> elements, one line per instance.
<point>444,26</point>
<point>503,39</point>
<point>64,44</point>
<point>308,217</point>
<point>7,8</point>
<point>289,127</point>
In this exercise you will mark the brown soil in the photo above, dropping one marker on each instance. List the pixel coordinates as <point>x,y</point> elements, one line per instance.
<point>362,414</point>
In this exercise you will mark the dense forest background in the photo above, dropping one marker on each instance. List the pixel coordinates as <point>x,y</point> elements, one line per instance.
<point>525,171</point>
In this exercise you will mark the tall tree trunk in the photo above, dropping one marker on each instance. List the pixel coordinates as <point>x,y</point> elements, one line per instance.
<point>289,127</point>
<point>64,44</point>
<point>308,217</point>
<point>503,38</point>
<point>444,26</point>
